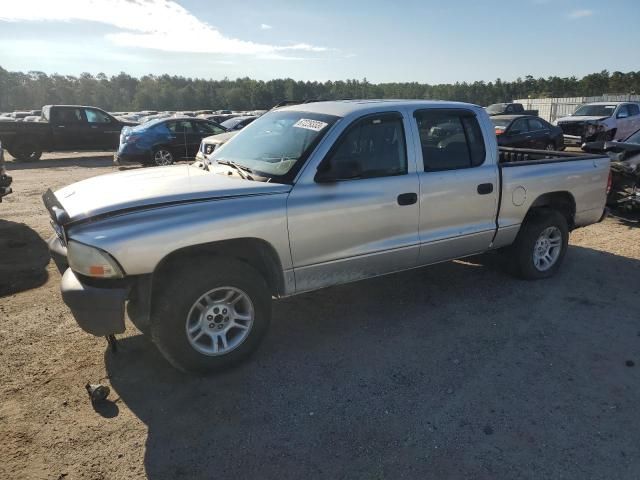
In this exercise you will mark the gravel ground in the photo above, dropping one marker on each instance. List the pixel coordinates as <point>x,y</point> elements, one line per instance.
<point>452,371</point>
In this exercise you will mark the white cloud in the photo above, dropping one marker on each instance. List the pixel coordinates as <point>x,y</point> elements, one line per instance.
<point>154,24</point>
<point>580,14</point>
<point>264,26</point>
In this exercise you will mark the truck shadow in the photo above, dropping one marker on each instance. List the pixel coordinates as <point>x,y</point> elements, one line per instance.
<point>351,377</point>
<point>23,258</point>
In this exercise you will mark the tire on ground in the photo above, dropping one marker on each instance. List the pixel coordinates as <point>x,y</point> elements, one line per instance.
<point>522,251</point>
<point>23,152</point>
<point>175,296</point>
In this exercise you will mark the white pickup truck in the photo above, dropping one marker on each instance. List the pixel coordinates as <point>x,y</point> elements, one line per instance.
<point>305,197</point>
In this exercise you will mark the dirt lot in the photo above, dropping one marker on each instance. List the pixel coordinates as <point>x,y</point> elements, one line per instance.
<point>453,371</point>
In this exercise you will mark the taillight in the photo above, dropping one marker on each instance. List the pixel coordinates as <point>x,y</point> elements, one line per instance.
<point>499,131</point>
<point>609,182</point>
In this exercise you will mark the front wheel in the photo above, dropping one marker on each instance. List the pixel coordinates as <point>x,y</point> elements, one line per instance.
<point>541,245</point>
<point>211,315</point>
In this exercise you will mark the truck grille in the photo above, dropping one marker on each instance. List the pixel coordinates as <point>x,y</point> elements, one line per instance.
<point>572,128</point>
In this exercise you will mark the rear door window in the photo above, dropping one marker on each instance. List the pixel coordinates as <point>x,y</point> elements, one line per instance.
<point>180,126</point>
<point>450,139</point>
<point>68,115</point>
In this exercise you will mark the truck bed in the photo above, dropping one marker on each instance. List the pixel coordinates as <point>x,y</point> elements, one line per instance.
<point>529,177</point>
<point>510,157</point>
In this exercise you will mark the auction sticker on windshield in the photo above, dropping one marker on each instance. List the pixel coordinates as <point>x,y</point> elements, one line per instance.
<point>315,125</point>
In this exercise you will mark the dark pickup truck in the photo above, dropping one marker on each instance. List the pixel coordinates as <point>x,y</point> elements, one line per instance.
<point>62,128</point>
<point>509,109</point>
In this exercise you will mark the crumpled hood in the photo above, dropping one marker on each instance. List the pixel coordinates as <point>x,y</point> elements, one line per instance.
<point>581,119</point>
<point>148,187</point>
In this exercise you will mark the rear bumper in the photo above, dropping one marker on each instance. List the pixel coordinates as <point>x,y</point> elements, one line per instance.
<point>98,311</point>
<point>121,158</point>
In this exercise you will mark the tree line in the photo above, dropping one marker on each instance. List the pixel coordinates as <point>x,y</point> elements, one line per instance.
<point>32,90</point>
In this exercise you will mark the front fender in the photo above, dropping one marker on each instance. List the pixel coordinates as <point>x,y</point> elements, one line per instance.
<point>140,240</point>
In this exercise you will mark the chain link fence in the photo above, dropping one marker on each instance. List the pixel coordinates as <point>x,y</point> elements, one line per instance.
<point>553,108</point>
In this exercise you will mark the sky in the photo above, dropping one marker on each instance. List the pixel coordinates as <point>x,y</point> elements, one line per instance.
<point>424,41</point>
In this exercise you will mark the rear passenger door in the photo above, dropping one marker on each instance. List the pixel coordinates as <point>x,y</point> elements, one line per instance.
<point>458,185</point>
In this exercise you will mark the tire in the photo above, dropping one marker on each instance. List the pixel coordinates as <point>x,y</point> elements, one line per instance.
<point>550,147</point>
<point>138,317</point>
<point>162,157</point>
<point>176,316</point>
<point>25,153</point>
<point>526,251</point>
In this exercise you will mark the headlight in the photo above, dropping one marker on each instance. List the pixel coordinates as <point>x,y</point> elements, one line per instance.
<point>208,149</point>
<point>92,262</point>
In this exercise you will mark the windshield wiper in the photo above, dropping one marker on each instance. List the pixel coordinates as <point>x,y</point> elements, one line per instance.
<point>239,168</point>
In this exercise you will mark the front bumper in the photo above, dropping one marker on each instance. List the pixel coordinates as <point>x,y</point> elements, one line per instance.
<point>97,310</point>
<point>573,141</point>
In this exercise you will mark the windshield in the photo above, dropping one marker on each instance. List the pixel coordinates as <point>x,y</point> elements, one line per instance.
<point>495,108</point>
<point>595,111</point>
<point>634,138</point>
<point>501,122</point>
<point>232,122</point>
<point>274,143</point>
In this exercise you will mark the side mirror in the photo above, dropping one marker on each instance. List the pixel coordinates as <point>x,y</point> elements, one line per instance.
<point>332,171</point>
<point>622,115</point>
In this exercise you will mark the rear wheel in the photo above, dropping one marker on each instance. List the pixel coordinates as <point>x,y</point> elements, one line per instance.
<point>210,315</point>
<point>541,245</point>
<point>550,147</point>
<point>23,152</point>
<point>162,157</point>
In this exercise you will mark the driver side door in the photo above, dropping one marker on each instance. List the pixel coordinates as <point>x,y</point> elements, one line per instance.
<point>358,216</point>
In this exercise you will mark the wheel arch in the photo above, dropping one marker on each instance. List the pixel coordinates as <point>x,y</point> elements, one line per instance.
<point>561,201</point>
<point>255,252</point>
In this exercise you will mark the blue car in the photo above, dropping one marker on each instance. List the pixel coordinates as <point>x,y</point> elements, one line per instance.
<point>164,141</point>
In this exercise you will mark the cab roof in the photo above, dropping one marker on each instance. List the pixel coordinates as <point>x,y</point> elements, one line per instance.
<point>343,108</point>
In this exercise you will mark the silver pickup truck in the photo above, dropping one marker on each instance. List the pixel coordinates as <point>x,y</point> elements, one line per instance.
<point>305,197</point>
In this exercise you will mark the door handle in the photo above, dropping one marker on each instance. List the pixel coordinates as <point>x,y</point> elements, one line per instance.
<point>485,188</point>
<point>60,126</point>
<point>407,198</point>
